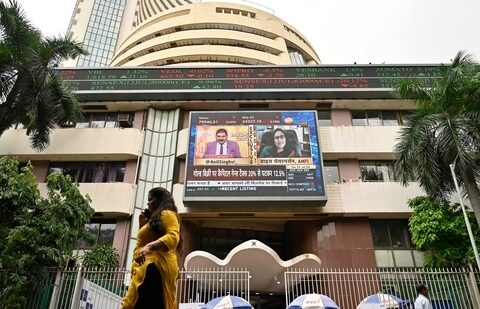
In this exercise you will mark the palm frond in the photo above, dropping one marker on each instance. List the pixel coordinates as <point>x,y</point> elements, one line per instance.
<point>55,50</point>
<point>412,89</point>
<point>65,107</point>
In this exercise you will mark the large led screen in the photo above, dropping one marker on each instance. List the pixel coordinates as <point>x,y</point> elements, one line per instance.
<point>254,156</point>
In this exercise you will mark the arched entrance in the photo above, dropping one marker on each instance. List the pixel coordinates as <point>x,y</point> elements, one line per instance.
<point>266,270</point>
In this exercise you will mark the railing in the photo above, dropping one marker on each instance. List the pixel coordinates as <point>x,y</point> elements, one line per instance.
<point>448,288</point>
<point>204,284</point>
<point>103,288</point>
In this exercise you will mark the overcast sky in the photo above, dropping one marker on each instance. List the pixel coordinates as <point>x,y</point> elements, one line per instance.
<point>347,31</point>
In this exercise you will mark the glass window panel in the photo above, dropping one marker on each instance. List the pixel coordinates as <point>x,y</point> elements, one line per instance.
<point>148,142</point>
<point>155,140</point>
<point>84,122</point>
<point>71,171</point>
<point>403,258</point>
<point>384,171</point>
<point>324,118</point>
<point>100,173</point>
<point>384,258</point>
<point>107,232</point>
<point>171,122</point>
<point>151,168</point>
<point>390,118</point>
<point>98,120</point>
<point>368,171</point>
<point>161,145</point>
<point>331,171</point>
<point>359,118</point>
<point>118,172</point>
<point>374,118</point>
<point>111,121</point>
<point>165,167</point>
<point>164,121</point>
<point>380,234</point>
<point>91,229</point>
<point>54,169</point>
<point>158,169</point>
<point>418,258</point>
<point>168,144</point>
<point>86,173</point>
<point>143,168</point>
<point>404,116</point>
<point>399,234</point>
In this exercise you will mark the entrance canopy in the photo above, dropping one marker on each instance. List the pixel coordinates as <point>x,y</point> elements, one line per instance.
<point>265,266</point>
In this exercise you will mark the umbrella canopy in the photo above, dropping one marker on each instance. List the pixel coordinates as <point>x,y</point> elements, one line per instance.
<point>227,302</point>
<point>382,301</point>
<point>312,301</point>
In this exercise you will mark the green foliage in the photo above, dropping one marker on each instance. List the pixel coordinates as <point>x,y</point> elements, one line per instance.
<point>103,256</point>
<point>444,129</point>
<point>439,230</point>
<point>31,93</point>
<point>37,232</point>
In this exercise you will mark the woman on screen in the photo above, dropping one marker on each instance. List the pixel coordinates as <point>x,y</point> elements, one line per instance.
<point>284,146</point>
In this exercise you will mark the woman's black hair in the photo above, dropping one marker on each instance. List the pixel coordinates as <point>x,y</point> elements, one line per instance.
<point>165,202</point>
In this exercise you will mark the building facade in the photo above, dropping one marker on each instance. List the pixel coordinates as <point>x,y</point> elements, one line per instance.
<point>133,139</point>
<point>136,129</point>
<point>164,32</point>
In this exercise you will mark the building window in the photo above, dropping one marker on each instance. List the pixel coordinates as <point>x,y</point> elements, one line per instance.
<point>377,171</point>
<point>104,120</point>
<point>102,232</point>
<point>331,173</point>
<point>324,118</point>
<point>392,244</point>
<point>86,172</point>
<point>404,116</point>
<point>296,57</point>
<point>379,118</point>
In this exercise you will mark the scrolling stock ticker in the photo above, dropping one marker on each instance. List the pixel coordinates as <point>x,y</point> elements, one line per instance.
<point>322,77</point>
<point>254,155</point>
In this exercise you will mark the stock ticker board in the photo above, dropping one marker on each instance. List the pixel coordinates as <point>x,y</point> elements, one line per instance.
<point>245,79</point>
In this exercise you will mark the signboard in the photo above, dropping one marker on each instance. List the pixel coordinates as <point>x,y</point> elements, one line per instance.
<point>94,296</point>
<point>254,156</point>
<point>245,78</point>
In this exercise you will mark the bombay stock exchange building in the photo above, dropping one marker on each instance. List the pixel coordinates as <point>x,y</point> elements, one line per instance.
<point>167,32</point>
<point>139,136</point>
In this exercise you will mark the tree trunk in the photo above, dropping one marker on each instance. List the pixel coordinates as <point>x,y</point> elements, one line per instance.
<point>472,191</point>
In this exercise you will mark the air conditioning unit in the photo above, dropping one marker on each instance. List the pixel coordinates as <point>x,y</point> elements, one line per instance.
<point>124,120</point>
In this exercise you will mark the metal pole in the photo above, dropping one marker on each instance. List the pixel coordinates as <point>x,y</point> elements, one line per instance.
<point>467,222</point>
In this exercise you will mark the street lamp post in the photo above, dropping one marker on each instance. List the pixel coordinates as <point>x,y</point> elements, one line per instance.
<point>467,222</point>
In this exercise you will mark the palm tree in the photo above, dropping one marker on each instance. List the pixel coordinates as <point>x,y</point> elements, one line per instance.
<point>30,91</point>
<point>444,129</point>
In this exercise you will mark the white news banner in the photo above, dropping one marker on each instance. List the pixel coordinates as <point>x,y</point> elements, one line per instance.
<point>234,183</point>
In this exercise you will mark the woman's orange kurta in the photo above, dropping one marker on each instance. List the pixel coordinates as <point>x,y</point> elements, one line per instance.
<point>166,262</point>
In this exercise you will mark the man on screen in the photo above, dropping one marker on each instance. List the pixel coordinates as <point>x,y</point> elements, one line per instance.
<point>222,147</point>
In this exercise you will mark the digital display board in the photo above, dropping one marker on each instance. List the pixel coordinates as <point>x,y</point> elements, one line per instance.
<point>254,155</point>
<point>245,78</point>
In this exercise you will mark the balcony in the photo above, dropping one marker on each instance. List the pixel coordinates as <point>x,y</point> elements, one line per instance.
<point>359,142</point>
<point>114,144</point>
<point>110,199</point>
<point>364,198</point>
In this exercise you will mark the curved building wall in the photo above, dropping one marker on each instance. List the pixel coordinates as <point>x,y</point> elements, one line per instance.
<point>212,32</point>
<point>150,8</point>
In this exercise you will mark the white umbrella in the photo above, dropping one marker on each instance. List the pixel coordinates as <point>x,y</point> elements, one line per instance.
<point>381,301</point>
<point>313,301</point>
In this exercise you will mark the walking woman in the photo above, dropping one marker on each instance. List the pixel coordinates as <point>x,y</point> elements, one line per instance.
<point>155,267</point>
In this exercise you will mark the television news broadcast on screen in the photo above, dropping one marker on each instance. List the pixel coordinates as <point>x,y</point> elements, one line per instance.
<point>267,155</point>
